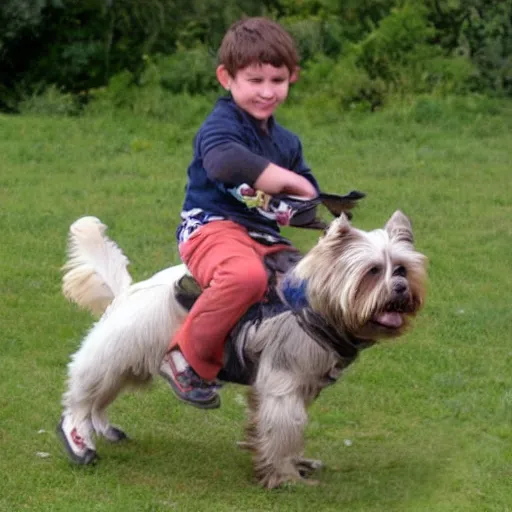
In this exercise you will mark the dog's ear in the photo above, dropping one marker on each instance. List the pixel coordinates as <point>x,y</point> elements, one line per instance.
<point>399,228</point>
<point>339,227</point>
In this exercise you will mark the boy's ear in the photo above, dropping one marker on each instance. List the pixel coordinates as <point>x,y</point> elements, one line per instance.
<point>295,75</point>
<point>223,77</point>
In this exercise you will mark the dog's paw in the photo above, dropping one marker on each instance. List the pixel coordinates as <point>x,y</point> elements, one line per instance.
<point>115,435</point>
<point>276,481</point>
<point>76,446</point>
<point>289,474</point>
<point>308,466</point>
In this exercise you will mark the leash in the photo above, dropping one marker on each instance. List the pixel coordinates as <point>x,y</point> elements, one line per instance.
<point>305,210</point>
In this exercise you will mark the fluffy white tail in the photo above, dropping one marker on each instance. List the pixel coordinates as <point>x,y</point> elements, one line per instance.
<point>96,270</point>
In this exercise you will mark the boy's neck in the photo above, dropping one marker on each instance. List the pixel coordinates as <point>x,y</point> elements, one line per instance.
<point>263,125</point>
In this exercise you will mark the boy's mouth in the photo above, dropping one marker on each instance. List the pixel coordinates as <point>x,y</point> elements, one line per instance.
<point>265,105</point>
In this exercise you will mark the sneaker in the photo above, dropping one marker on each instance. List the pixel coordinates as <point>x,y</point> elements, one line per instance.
<point>186,384</point>
<point>74,443</point>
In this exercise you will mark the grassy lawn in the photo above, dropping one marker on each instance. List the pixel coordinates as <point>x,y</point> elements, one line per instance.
<point>422,424</point>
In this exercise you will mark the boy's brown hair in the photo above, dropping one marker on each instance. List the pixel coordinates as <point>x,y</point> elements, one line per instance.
<point>257,40</point>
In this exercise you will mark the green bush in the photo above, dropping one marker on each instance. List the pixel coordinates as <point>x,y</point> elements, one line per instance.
<point>398,49</point>
<point>449,74</point>
<point>119,93</point>
<point>308,35</point>
<point>361,52</point>
<point>188,70</point>
<point>147,98</point>
<point>50,102</point>
<point>181,109</point>
<point>486,35</point>
<point>159,89</point>
<point>348,86</point>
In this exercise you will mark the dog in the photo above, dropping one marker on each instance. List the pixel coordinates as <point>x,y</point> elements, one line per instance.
<point>352,289</point>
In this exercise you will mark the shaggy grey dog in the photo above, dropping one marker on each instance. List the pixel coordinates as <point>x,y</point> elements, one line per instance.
<point>351,290</point>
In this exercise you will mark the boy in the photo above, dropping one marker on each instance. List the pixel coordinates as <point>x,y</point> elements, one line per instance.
<point>229,224</point>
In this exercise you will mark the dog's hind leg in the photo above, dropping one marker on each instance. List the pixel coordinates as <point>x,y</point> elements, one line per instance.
<point>89,392</point>
<point>108,393</point>
<point>76,431</point>
<point>275,432</point>
<point>103,428</point>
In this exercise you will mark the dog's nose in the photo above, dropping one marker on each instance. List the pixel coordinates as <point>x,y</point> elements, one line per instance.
<point>400,288</point>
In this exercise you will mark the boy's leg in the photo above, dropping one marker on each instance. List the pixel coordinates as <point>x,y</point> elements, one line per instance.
<point>228,265</point>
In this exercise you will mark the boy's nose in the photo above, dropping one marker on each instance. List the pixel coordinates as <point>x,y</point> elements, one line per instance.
<point>266,91</point>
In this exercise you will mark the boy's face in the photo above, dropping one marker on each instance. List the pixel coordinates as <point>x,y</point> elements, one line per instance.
<point>259,89</point>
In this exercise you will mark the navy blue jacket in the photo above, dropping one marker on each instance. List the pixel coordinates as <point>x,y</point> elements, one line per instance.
<point>220,191</point>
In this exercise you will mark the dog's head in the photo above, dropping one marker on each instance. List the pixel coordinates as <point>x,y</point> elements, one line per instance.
<point>368,283</point>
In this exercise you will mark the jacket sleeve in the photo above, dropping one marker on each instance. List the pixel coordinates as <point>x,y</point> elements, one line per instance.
<point>232,162</point>
<point>223,149</point>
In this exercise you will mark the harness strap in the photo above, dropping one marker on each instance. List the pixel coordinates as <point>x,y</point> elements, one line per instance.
<point>326,335</point>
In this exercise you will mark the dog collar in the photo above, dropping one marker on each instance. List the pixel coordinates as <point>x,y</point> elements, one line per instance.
<point>327,336</point>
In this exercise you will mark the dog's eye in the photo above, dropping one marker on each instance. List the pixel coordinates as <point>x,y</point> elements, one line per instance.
<point>374,270</point>
<point>400,271</point>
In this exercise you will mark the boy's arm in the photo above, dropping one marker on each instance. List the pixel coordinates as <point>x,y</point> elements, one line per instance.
<point>277,180</point>
<point>233,163</point>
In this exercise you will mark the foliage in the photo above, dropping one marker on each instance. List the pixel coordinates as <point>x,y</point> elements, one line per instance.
<point>51,102</point>
<point>396,49</point>
<point>341,83</point>
<point>401,53</point>
<point>308,35</point>
<point>487,34</point>
<point>399,46</point>
<point>81,45</point>
<point>189,70</point>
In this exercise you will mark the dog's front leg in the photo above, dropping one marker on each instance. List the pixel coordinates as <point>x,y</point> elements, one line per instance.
<point>275,432</point>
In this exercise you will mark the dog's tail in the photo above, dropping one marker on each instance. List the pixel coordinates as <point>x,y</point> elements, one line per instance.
<point>96,269</point>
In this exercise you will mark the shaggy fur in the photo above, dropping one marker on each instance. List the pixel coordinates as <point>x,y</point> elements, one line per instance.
<point>363,285</point>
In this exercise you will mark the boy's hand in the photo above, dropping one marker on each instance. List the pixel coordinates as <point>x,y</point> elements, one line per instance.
<point>278,180</point>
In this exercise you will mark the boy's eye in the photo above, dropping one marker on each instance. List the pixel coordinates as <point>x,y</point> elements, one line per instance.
<point>255,80</point>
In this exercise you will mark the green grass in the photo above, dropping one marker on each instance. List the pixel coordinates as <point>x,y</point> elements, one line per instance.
<point>429,418</point>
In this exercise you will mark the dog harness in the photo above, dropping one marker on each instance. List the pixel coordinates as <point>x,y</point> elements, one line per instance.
<point>329,337</point>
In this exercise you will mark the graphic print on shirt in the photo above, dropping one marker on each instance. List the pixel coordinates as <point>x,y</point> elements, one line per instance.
<point>271,208</point>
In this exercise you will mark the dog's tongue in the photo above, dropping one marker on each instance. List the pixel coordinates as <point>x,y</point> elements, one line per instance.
<point>389,319</point>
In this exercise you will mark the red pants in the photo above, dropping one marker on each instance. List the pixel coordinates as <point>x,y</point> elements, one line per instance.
<point>228,264</point>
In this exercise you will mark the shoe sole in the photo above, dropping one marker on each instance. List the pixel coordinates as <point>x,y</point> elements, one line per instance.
<point>214,403</point>
<point>89,457</point>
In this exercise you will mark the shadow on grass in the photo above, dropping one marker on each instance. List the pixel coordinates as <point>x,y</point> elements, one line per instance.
<point>217,474</point>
